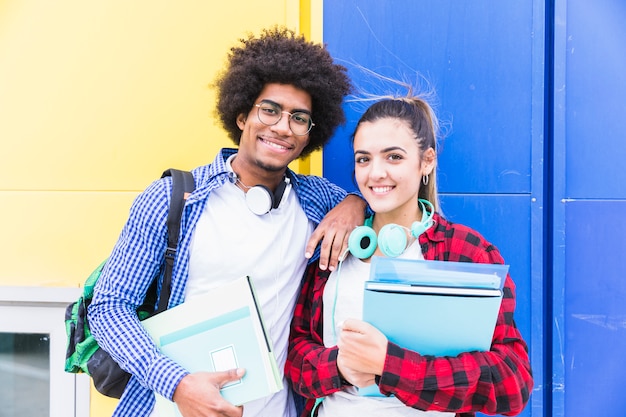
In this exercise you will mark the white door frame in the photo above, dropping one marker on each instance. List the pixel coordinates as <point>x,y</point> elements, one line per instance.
<point>42,310</point>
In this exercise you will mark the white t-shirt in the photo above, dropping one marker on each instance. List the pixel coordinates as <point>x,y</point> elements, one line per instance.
<point>347,281</point>
<point>229,242</point>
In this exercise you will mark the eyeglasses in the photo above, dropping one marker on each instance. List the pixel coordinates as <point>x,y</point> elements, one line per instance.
<point>270,114</point>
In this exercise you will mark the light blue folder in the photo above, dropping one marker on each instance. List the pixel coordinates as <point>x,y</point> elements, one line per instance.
<point>438,273</point>
<point>444,318</point>
<point>229,338</point>
<point>219,330</point>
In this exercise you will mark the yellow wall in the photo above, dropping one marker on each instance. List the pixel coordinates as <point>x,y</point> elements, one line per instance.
<point>97,98</point>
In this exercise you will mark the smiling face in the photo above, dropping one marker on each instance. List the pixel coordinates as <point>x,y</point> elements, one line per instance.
<point>265,151</point>
<point>389,168</point>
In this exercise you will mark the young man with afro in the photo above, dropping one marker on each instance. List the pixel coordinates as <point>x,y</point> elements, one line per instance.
<point>279,98</point>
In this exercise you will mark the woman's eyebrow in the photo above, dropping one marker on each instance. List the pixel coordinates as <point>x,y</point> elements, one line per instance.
<point>394,148</point>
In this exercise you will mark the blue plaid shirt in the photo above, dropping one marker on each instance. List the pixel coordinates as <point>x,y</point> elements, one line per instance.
<point>136,259</point>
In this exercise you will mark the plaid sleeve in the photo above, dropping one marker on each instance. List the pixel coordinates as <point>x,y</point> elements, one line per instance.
<point>311,368</point>
<point>495,382</point>
<point>134,262</point>
<point>318,196</point>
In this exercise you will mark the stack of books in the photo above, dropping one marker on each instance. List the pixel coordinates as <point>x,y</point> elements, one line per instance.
<point>433,307</point>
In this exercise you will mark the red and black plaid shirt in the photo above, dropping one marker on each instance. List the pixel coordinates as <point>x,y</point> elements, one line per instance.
<point>495,382</point>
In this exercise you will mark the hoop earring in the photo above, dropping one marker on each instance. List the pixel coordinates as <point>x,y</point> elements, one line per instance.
<point>425,179</point>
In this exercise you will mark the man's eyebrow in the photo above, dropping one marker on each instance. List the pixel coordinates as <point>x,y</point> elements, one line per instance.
<point>307,111</point>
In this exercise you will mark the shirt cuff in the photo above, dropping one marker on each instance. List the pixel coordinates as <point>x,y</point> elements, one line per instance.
<point>390,378</point>
<point>164,376</point>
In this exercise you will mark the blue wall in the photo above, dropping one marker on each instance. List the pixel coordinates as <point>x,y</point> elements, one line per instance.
<point>531,94</point>
<point>589,205</point>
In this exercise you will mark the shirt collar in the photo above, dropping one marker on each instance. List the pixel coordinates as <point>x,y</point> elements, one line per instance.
<point>218,167</point>
<point>436,233</point>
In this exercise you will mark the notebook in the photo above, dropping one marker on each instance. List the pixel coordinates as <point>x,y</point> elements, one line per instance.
<point>220,330</point>
<point>433,307</point>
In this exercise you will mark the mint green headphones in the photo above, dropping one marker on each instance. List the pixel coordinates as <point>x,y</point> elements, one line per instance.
<point>392,238</point>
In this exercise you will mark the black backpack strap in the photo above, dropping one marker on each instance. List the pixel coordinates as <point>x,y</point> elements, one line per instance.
<point>182,184</point>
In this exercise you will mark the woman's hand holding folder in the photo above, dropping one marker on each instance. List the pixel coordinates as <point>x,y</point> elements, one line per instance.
<point>362,350</point>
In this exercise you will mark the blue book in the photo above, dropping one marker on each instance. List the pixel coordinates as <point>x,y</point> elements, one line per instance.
<point>439,317</point>
<point>438,273</point>
<point>220,330</point>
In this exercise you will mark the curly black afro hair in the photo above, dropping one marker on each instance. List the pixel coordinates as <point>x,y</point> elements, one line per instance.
<point>278,55</point>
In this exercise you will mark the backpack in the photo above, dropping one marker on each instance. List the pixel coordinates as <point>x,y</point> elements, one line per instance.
<point>83,354</point>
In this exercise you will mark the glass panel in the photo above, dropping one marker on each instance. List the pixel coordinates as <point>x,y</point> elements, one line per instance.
<point>25,374</point>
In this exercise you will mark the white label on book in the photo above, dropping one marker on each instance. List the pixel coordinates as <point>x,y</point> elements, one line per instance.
<point>224,359</point>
